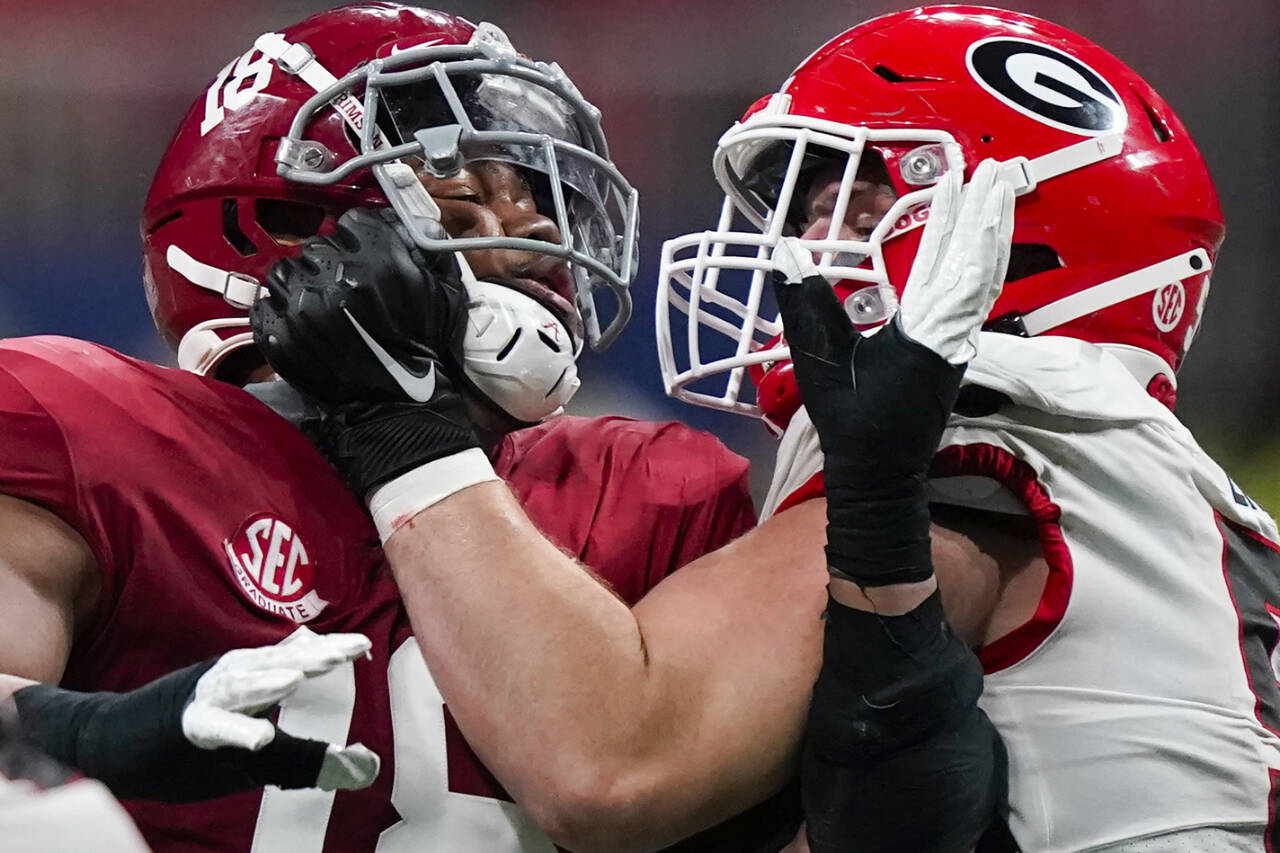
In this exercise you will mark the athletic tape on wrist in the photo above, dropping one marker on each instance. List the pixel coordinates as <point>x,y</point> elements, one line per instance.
<point>396,502</point>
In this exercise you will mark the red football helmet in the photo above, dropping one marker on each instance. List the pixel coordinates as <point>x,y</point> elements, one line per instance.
<point>1116,224</point>
<point>317,119</point>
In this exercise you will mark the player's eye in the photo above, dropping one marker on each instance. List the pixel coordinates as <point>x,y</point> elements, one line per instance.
<point>466,195</point>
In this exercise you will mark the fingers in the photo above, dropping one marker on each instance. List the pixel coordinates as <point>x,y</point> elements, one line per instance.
<point>1002,231</point>
<point>814,321</point>
<point>250,680</point>
<point>975,206</point>
<point>277,283</point>
<point>980,255</point>
<point>246,681</point>
<point>945,311</point>
<point>209,727</point>
<point>380,224</point>
<point>792,261</point>
<point>937,230</point>
<point>316,654</point>
<point>348,768</point>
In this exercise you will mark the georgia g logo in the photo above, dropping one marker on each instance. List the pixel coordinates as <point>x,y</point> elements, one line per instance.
<point>1050,86</point>
<point>273,569</point>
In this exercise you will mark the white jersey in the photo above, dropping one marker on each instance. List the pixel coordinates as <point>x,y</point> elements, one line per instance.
<point>1141,699</point>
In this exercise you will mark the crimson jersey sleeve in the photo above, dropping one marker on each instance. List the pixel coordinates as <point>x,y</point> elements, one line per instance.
<point>634,500</point>
<point>37,463</point>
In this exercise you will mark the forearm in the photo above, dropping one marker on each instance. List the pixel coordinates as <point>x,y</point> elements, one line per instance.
<point>621,729</point>
<point>513,627</point>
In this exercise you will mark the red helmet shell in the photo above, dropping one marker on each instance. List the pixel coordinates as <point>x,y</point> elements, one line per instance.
<point>923,69</point>
<point>216,194</point>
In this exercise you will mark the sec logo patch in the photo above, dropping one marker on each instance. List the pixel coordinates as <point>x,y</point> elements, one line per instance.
<point>271,564</point>
<point>1168,305</point>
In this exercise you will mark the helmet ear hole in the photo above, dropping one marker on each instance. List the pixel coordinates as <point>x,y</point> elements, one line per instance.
<point>163,221</point>
<point>288,222</point>
<point>232,231</point>
<point>1028,259</point>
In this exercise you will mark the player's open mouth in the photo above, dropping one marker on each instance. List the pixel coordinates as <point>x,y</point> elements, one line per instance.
<point>553,287</point>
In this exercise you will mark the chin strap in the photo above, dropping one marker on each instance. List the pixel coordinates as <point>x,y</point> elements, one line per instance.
<point>1108,293</point>
<point>239,290</point>
<point>1025,174</point>
<point>300,61</point>
<point>206,344</point>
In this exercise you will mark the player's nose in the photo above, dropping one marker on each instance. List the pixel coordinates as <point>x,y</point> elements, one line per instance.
<point>516,219</point>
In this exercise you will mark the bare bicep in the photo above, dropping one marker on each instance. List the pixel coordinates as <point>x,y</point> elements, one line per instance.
<point>991,570</point>
<point>47,578</point>
<point>740,630</point>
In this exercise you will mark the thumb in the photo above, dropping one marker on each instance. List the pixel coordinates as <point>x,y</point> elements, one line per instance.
<point>814,322</point>
<point>209,727</point>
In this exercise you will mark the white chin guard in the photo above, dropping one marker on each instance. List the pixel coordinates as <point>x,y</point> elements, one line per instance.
<point>517,353</point>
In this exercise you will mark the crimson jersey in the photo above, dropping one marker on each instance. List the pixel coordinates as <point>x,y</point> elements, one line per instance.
<point>216,525</point>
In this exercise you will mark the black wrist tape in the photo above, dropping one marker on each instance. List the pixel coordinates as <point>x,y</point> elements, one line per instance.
<point>877,524</point>
<point>898,756</point>
<point>128,741</point>
<point>889,680</point>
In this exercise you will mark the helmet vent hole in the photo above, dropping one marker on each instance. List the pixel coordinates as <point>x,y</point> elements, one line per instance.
<point>894,77</point>
<point>1028,259</point>
<point>165,220</point>
<point>231,229</point>
<point>1163,134</point>
<point>288,222</point>
<point>506,350</point>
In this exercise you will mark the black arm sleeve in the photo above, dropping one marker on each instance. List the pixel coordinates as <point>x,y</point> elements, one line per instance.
<point>133,743</point>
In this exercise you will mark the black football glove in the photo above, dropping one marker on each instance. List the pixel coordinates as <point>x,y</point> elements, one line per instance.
<point>371,327</point>
<point>197,733</point>
<point>880,403</point>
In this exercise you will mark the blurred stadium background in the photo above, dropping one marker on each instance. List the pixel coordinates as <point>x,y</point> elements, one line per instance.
<point>90,93</point>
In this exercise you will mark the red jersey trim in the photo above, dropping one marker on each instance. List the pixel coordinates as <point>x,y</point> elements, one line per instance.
<point>985,460</point>
<point>814,487</point>
<point>1270,837</point>
<point>1250,532</point>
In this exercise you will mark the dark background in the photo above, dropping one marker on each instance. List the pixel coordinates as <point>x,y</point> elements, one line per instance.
<point>90,93</point>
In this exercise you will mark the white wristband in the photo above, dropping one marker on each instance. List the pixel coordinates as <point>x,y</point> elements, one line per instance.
<point>396,502</point>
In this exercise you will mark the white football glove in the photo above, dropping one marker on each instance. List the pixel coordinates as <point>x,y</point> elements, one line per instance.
<point>960,266</point>
<point>245,682</point>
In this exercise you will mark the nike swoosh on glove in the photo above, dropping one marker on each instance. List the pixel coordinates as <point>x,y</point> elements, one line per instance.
<point>371,327</point>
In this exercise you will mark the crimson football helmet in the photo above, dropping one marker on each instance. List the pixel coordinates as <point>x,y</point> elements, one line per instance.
<point>1116,228</point>
<point>343,110</point>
